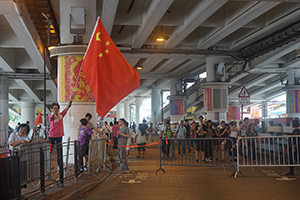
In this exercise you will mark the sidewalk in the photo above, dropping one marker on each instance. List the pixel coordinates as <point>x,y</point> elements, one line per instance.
<point>71,187</point>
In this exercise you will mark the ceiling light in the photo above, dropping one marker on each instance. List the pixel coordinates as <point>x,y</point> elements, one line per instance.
<point>162,38</point>
<point>139,67</point>
<point>51,47</point>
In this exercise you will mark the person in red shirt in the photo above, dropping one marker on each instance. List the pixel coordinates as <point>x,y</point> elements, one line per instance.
<point>115,130</point>
<point>57,128</point>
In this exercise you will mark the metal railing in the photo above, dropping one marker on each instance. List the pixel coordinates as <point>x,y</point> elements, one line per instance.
<point>209,152</point>
<point>31,166</point>
<point>268,151</point>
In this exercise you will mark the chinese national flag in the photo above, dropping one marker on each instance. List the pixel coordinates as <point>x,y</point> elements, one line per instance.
<point>107,72</point>
<point>38,120</point>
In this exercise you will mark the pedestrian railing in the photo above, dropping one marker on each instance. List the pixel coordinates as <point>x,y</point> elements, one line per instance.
<point>97,157</point>
<point>33,167</point>
<point>209,152</point>
<point>268,151</point>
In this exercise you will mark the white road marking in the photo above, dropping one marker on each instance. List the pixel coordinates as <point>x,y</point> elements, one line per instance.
<point>131,181</point>
<point>285,178</point>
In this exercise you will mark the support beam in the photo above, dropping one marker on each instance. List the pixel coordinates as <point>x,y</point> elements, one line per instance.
<point>247,16</point>
<point>253,82</point>
<point>155,12</point>
<point>274,54</point>
<point>29,90</point>
<point>109,9</point>
<point>202,13</point>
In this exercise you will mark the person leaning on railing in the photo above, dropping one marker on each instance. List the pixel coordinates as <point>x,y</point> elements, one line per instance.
<point>20,137</point>
<point>294,145</point>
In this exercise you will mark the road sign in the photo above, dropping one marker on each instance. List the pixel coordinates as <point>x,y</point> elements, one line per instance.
<point>244,93</point>
<point>244,100</point>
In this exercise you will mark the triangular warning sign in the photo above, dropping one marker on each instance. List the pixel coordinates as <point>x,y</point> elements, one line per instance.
<point>244,93</point>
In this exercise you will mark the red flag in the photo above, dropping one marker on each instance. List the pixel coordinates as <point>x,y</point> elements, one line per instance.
<point>107,72</point>
<point>38,120</point>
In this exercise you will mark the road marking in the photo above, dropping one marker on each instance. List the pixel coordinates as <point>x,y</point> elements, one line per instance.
<point>271,173</point>
<point>131,181</point>
<point>285,178</point>
<point>142,176</point>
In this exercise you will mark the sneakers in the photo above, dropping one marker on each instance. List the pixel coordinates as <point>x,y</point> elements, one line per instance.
<point>85,168</point>
<point>126,171</point>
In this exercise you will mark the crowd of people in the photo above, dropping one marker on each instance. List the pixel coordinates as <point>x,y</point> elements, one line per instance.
<point>206,150</point>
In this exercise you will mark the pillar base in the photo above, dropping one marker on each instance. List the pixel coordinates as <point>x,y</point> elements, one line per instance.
<point>77,111</point>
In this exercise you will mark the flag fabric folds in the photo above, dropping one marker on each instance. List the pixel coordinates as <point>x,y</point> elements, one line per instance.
<point>107,72</point>
<point>38,120</point>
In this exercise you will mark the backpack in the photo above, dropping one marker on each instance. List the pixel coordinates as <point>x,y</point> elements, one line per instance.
<point>168,133</point>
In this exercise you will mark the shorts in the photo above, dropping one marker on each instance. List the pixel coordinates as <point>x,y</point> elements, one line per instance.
<point>84,150</point>
<point>200,143</point>
<point>142,148</point>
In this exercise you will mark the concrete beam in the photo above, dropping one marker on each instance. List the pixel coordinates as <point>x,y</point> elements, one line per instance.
<point>155,12</point>
<point>28,90</point>
<point>202,13</point>
<point>109,9</point>
<point>245,17</point>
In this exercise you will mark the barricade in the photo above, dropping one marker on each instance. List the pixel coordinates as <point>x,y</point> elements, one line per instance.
<point>268,151</point>
<point>10,187</point>
<point>30,160</point>
<point>177,152</point>
<point>97,157</point>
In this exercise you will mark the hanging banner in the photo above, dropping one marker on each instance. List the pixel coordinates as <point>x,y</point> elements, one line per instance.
<point>234,113</point>
<point>207,99</point>
<point>176,107</point>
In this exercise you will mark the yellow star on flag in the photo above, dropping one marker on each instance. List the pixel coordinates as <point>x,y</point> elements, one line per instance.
<point>97,36</point>
<point>106,51</point>
<point>107,43</point>
<point>100,55</point>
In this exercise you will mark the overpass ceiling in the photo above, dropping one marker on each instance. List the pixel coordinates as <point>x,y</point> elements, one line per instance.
<point>258,38</point>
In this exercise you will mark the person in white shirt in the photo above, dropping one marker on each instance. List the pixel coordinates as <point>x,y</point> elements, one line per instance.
<point>181,135</point>
<point>20,137</point>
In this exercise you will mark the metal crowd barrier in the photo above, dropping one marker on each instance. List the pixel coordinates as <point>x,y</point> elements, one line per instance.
<point>268,151</point>
<point>10,186</point>
<point>213,152</point>
<point>97,156</point>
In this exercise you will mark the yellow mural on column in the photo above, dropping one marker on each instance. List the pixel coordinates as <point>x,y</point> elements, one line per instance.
<point>68,69</point>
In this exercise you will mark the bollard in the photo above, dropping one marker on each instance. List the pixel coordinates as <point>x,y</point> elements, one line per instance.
<point>42,171</point>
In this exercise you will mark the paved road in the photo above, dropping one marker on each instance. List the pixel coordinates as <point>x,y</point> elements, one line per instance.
<point>193,182</point>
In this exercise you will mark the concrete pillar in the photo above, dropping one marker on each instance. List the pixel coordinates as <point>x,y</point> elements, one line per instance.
<point>264,114</point>
<point>119,113</point>
<point>215,90</point>
<point>3,108</point>
<point>175,87</point>
<point>138,104</point>
<point>127,111</point>
<point>28,113</point>
<point>155,106</point>
<point>69,59</point>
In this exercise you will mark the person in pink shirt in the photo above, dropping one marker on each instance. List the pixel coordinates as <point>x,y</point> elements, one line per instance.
<point>57,128</point>
<point>115,130</point>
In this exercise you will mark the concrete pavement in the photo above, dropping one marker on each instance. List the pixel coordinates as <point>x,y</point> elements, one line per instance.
<point>182,182</point>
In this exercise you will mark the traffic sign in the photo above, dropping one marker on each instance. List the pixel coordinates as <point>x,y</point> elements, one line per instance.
<point>244,101</point>
<point>244,93</point>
